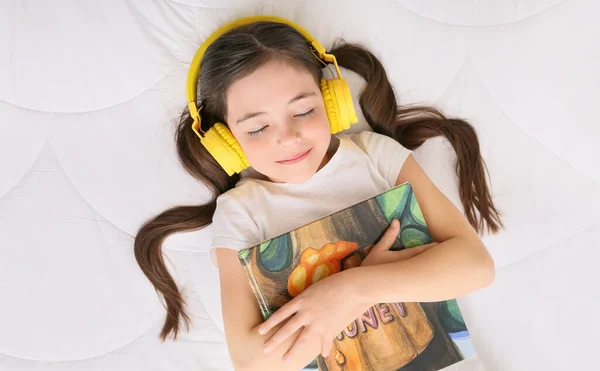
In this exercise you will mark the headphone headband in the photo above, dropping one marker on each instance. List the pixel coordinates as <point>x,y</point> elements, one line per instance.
<point>194,69</point>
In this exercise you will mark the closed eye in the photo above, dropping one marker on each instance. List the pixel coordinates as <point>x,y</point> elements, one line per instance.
<point>305,114</point>
<point>300,115</point>
<point>257,132</point>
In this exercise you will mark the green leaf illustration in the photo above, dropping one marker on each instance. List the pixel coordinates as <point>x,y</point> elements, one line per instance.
<point>412,237</point>
<point>276,255</point>
<point>454,310</point>
<point>392,203</point>
<point>450,317</point>
<point>243,254</point>
<point>264,245</point>
<point>416,212</point>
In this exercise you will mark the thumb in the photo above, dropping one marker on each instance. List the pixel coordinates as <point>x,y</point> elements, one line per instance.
<point>388,238</point>
<point>326,348</point>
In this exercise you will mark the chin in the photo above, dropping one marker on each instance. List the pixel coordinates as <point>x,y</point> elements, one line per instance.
<point>296,176</point>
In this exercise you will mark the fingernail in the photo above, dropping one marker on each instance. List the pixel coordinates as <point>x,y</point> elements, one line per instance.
<point>267,348</point>
<point>261,330</point>
<point>286,359</point>
<point>395,223</point>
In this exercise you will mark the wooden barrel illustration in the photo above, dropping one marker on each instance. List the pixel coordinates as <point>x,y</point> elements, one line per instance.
<point>382,339</point>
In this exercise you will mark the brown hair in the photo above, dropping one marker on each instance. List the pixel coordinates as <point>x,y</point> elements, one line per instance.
<point>240,52</point>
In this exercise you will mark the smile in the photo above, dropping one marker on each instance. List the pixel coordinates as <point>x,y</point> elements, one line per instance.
<point>295,159</point>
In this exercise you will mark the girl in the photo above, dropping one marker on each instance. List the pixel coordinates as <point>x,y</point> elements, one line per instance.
<point>262,78</point>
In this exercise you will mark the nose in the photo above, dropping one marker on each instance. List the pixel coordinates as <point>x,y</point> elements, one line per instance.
<point>288,135</point>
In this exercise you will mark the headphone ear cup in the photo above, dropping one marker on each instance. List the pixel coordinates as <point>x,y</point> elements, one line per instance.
<point>223,146</point>
<point>338,104</point>
<point>330,106</point>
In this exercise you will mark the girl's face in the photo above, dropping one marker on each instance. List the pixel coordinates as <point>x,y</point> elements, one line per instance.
<point>278,116</point>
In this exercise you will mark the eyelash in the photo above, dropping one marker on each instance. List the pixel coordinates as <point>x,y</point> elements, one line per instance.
<point>305,114</point>
<point>257,132</point>
<point>300,115</point>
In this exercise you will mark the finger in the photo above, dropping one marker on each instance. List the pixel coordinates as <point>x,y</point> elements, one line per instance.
<point>279,316</point>
<point>326,349</point>
<point>303,338</point>
<point>387,240</point>
<point>283,333</point>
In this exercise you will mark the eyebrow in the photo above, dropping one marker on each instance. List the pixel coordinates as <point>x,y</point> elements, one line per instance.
<point>248,116</point>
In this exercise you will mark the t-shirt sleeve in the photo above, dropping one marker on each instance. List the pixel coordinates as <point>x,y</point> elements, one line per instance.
<point>232,226</point>
<point>386,153</point>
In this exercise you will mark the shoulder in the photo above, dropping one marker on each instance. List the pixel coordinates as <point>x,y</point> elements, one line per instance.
<point>248,196</point>
<point>233,223</point>
<point>385,153</point>
<point>366,139</point>
<point>377,145</point>
<point>240,197</point>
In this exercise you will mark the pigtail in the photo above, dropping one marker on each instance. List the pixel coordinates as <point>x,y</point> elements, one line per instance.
<point>411,126</point>
<point>148,241</point>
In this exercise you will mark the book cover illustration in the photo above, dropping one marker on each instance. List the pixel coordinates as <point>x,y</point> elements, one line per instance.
<point>389,336</point>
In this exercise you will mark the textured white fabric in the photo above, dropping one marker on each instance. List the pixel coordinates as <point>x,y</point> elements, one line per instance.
<point>89,91</point>
<point>364,165</point>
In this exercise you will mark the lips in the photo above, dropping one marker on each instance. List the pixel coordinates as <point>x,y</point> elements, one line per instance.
<point>295,158</point>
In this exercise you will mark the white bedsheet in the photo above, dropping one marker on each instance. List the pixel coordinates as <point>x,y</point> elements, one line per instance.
<point>89,91</point>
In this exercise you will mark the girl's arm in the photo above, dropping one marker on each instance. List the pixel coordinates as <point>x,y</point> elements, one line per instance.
<point>241,316</point>
<point>459,264</point>
<point>456,266</point>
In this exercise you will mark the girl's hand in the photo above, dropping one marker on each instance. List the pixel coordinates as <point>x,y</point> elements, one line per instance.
<point>381,254</point>
<point>323,310</point>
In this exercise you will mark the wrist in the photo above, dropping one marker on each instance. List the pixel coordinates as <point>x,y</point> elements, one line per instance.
<point>360,280</point>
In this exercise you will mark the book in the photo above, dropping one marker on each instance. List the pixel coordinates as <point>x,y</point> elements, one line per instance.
<point>387,337</point>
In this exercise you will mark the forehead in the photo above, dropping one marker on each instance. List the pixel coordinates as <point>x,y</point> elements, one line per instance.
<point>272,84</point>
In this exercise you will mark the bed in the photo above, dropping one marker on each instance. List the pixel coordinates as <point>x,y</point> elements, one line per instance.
<point>90,91</point>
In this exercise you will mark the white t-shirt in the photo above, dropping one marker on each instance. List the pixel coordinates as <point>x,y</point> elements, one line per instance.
<point>364,165</point>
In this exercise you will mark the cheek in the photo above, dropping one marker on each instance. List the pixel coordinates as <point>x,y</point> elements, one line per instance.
<point>257,152</point>
<point>320,129</point>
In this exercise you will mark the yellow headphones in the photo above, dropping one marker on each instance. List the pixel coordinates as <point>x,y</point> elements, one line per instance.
<point>219,141</point>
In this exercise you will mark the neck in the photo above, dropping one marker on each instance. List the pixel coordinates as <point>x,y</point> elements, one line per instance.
<point>334,143</point>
